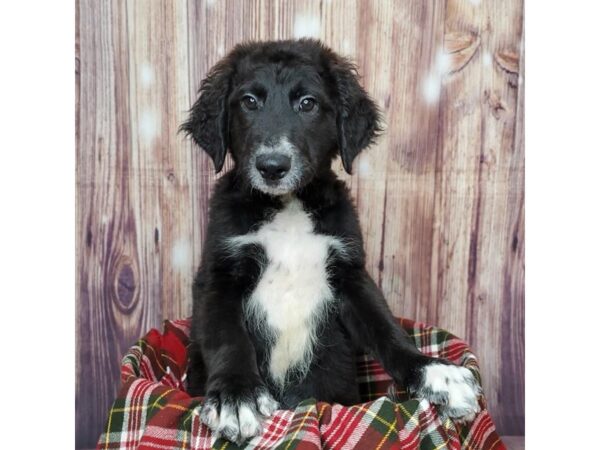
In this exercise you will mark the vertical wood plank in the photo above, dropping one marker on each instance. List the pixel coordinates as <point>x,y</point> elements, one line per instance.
<point>374,51</point>
<point>159,97</point>
<point>480,203</point>
<point>111,307</point>
<point>457,165</point>
<point>498,263</point>
<point>405,245</point>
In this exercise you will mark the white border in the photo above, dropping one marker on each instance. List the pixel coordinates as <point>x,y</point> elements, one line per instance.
<point>37,188</point>
<point>562,223</point>
<point>562,227</point>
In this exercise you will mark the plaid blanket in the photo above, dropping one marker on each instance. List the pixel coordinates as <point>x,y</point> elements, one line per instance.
<point>153,411</point>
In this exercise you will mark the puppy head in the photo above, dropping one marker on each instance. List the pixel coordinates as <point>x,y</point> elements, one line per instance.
<point>284,110</point>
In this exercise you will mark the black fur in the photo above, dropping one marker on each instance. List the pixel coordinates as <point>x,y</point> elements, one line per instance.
<point>228,357</point>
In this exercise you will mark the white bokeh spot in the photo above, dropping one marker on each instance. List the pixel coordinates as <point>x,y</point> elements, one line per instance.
<point>487,59</point>
<point>306,25</point>
<point>149,125</point>
<point>146,75</point>
<point>181,255</point>
<point>364,166</point>
<point>442,62</point>
<point>432,86</point>
<point>346,46</point>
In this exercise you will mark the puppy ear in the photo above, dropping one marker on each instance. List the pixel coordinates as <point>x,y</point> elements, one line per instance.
<point>358,118</point>
<point>208,122</point>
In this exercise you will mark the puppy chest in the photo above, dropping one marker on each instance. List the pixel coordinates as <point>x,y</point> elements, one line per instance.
<point>294,280</point>
<point>293,290</point>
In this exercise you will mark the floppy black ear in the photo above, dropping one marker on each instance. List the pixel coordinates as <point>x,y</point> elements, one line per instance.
<point>358,118</point>
<point>208,122</point>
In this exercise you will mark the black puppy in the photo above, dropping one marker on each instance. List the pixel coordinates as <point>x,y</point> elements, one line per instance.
<point>282,300</point>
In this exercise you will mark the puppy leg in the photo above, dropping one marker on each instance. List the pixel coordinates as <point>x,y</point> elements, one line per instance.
<point>454,389</point>
<point>369,320</point>
<point>236,399</point>
<point>235,407</point>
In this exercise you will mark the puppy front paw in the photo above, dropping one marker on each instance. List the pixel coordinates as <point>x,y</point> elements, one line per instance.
<point>452,388</point>
<point>236,411</point>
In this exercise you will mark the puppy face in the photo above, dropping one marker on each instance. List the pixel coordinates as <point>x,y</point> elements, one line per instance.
<point>282,128</point>
<point>284,109</point>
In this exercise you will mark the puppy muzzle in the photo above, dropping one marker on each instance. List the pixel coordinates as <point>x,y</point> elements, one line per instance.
<point>276,169</point>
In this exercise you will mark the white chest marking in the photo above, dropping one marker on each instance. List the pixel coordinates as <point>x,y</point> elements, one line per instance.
<point>293,291</point>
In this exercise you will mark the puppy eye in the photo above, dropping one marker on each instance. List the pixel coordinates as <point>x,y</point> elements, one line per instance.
<point>250,102</point>
<point>307,104</point>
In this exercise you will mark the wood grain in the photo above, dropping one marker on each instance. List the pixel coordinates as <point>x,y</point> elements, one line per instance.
<point>440,197</point>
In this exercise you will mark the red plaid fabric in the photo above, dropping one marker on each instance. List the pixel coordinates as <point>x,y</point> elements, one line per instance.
<point>153,411</point>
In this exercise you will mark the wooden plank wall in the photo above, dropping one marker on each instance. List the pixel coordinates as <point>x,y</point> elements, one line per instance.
<point>440,197</point>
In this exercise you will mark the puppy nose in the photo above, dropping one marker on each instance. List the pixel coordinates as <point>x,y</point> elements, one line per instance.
<point>273,166</point>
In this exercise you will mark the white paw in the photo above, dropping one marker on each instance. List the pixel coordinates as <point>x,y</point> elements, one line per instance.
<point>454,389</point>
<point>237,420</point>
<point>266,404</point>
